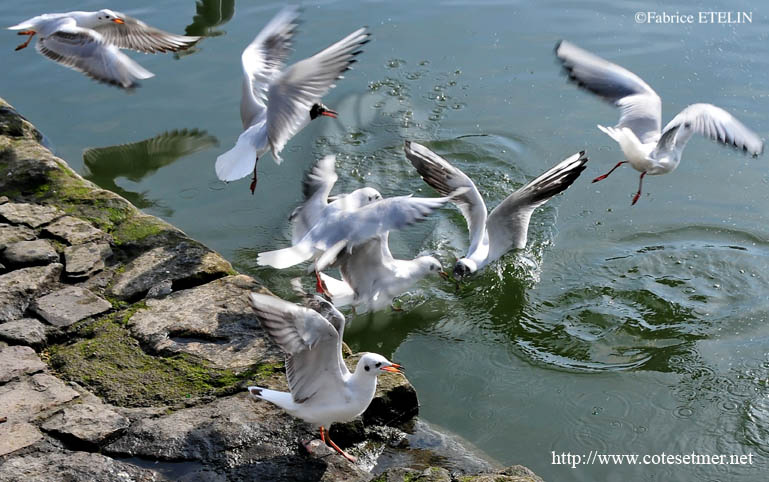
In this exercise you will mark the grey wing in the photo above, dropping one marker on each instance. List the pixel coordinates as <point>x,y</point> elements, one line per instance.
<point>316,186</point>
<point>445,179</point>
<point>508,223</point>
<point>640,107</point>
<point>136,35</point>
<point>714,123</point>
<point>312,344</point>
<point>262,60</point>
<point>293,93</point>
<point>366,264</point>
<point>86,51</point>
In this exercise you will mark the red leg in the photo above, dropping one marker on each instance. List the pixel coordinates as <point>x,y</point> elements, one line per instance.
<point>638,194</point>
<point>342,452</point>
<point>322,434</point>
<point>31,34</point>
<point>601,178</point>
<point>320,285</point>
<point>253,181</point>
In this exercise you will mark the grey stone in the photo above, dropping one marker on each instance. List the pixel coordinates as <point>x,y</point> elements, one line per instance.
<point>185,262</point>
<point>84,260</point>
<point>430,474</point>
<point>244,439</point>
<point>88,423</point>
<point>24,399</point>
<point>13,234</point>
<point>70,305</point>
<point>33,215</point>
<point>18,288</point>
<point>26,331</point>
<point>30,253</point>
<point>3,199</point>
<point>213,321</point>
<point>16,361</point>
<point>75,231</point>
<point>73,467</point>
<point>160,290</point>
<point>15,436</point>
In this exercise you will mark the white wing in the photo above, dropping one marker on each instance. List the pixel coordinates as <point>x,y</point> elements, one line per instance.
<point>86,51</point>
<point>312,344</point>
<point>445,178</point>
<point>712,122</point>
<point>136,35</point>
<point>292,94</point>
<point>316,186</point>
<point>508,223</point>
<point>640,107</point>
<point>262,60</point>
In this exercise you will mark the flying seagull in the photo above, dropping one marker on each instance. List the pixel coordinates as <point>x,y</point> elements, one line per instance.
<point>648,148</point>
<point>506,227</point>
<point>90,42</point>
<point>277,103</point>
<point>322,389</point>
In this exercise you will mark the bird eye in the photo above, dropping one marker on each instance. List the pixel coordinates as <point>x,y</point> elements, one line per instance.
<point>366,367</point>
<point>378,364</point>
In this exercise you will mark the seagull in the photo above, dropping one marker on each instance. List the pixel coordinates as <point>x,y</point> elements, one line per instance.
<point>275,103</point>
<point>372,277</point>
<point>341,230</point>
<point>646,147</point>
<point>507,225</point>
<point>322,389</point>
<point>90,42</point>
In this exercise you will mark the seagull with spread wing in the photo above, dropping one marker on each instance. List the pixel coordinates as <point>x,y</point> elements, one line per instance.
<point>277,103</point>
<point>90,42</point>
<point>648,148</point>
<point>507,226</point>
<point>322,389</point>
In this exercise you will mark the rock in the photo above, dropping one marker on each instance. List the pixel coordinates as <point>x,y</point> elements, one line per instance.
<point>161,290</point>
<point>13,234</point>
<point>186,263</point>
<point>70,305</point>
<point>18,288</point>
<point>86,423</point>
<point>241,438</point>
<point>515,473</point>
<point>15,436</point>
<point>18,360</point>
<point>24,399</point>
<point>73,467</point>
<point>3,199</point>
<point>26,331</point>
<point>30,253</point>
<point>400,474</point>
<point>33,215</point>
<point>75,231</point>
<point>213,321</point>
<point>84,260</point>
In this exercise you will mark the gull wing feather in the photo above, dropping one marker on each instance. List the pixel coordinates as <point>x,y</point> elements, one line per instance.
<point>136,35</point>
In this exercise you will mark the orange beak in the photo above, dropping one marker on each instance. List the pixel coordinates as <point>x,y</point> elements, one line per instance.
<point>394,368</point>
<point>118,20</point>
<point>329,113</point>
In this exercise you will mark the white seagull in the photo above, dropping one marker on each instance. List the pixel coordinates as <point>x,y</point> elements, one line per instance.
<point>372,277</point>
<point>507,226</point>
<point>648,148</point>
<point>275,103</point>
<point>322,389</point>
<point>90,42</point>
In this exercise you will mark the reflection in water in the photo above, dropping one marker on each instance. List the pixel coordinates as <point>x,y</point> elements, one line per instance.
<point>136,160</point>
<point>209,14</point>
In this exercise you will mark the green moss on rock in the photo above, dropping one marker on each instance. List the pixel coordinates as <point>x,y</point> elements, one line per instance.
<point>110,362</point>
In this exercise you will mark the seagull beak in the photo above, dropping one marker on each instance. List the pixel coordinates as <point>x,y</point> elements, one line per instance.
<point>329,113</point>
<point>118,20</point>
<point>444,275</point>
<point>394,368</point>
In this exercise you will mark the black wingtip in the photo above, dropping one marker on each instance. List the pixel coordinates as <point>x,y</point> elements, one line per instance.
<point>257,392</point>
<point>557,46</point>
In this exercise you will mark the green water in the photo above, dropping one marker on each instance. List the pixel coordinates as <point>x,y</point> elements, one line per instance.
<point>622,330</point>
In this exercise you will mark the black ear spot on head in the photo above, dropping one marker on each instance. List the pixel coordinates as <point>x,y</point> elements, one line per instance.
<point>315,111</point>
<point>366,367</point>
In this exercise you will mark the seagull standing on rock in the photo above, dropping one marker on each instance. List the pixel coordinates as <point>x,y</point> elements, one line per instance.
<point>507,226</point>
<point>648,148</point>
<point>90,42</point>
<point>275,103</point>
<point>322,389</point>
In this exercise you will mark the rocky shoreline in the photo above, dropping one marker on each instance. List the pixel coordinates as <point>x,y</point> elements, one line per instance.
<point>126,347</point>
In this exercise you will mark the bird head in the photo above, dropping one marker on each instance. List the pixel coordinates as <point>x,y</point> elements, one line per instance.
<point>374,365</point>
<point>320,109</point>
<point>106,16</point>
